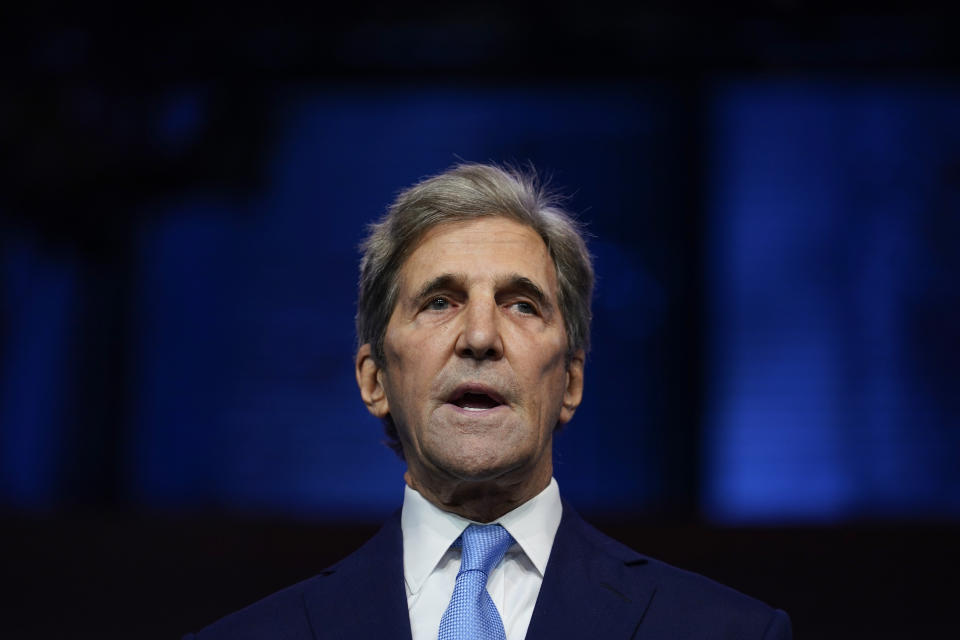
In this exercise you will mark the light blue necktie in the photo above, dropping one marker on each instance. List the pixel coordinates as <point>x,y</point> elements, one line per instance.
<point>471,614</point>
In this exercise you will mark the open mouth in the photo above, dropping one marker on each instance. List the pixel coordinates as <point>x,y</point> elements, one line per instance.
<point>476,399</point>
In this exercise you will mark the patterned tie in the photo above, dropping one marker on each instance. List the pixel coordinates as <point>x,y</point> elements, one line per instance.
<point>471,614</point>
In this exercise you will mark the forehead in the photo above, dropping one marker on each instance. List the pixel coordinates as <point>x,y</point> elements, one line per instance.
<point>481,249</point>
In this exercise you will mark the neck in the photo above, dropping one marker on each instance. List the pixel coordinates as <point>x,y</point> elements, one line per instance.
<point>481,501</point>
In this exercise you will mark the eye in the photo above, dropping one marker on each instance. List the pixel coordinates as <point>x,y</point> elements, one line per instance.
<point>525,308</point>
<point>438,304</point>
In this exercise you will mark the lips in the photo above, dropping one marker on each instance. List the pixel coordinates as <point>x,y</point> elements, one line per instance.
<point>475,397</point>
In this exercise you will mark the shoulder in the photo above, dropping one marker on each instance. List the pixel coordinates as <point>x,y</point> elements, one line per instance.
<point>292,613</point>
<point>692,600</point>
<point>279,615</point>
<point>686,603</point>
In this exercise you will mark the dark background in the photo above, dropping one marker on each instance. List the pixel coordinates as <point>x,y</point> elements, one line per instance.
<point>773,194</point>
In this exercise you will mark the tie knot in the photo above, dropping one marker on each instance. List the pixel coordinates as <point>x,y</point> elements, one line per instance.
<point>483,547</point>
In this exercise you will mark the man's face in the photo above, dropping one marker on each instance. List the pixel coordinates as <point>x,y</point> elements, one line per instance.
<point>475,375</point>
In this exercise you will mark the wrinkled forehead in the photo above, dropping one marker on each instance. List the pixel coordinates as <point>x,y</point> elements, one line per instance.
<point>480,252</point>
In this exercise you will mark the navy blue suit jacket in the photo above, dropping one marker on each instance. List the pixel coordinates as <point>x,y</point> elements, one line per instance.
<point>594,587</point>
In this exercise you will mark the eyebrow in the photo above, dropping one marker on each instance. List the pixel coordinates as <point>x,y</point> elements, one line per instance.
<point>440,283</point>
<point>521,284</point>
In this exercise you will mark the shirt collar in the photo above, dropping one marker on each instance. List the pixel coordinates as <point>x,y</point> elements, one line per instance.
<point>428,531</point>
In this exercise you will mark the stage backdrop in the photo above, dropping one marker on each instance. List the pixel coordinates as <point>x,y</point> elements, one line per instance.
<point>776,315</point>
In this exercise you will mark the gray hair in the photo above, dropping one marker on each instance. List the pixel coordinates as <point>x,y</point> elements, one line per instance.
<point>466,192</point>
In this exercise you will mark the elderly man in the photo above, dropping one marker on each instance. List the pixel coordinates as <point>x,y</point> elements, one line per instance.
<point>473,323</point>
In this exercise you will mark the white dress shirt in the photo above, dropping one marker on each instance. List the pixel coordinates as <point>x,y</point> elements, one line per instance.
<point>430,566</point>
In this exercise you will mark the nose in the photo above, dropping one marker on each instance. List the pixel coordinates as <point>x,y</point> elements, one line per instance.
<point>479,337</point>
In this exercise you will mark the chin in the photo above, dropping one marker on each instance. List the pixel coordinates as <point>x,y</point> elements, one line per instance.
<point>483,466</point>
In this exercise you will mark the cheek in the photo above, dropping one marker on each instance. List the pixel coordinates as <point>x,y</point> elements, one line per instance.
<point>391,353</point>
<point>548,384</point>
<point>554,368</point>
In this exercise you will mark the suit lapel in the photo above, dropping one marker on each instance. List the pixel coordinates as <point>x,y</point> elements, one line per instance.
<point>363,596</point>
<point>594,587</point>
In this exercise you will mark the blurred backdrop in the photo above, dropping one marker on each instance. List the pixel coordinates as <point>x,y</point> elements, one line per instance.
<point>773,197</point>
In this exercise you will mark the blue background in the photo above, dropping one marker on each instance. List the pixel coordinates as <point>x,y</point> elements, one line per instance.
<point>828,280</point>
<point>772,194</point>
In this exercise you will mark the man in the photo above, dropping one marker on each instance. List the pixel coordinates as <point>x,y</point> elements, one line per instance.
<point>473,323</point>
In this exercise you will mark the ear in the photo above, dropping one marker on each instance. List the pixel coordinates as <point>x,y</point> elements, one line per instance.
<point>369,380</point>
<point>574,391</point>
